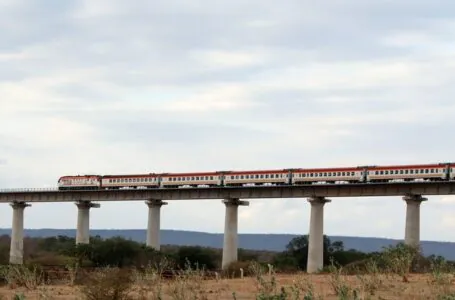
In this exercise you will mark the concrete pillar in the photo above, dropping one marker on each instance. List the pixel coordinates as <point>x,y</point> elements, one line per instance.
<point>316,235</point>
<point>16,252</point>
<point>412,229</point>
<point>230,243</point>
<point>83,221</point>
<point>153,225</point>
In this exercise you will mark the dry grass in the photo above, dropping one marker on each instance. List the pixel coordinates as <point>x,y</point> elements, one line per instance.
<point>299,286</point>
<point>111,283</point>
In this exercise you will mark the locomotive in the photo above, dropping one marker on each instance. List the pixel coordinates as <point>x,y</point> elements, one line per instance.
<point>299,176</point>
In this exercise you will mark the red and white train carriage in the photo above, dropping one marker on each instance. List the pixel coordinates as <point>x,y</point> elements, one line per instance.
<point>328,175</point>
<point>262,177</point>
<point>370,174</point>
<point>174,180</point>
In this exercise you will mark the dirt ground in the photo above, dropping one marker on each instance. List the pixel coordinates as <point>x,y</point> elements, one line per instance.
<point>416,287</point>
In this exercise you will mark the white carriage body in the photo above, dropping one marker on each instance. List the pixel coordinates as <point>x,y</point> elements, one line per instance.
<point>407,172</point>
<point>119,181</point>
<point>257,177</point>
<point>324,175</point>
<point>192,179</point>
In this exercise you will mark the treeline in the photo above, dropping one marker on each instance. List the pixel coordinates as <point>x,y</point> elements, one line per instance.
<point>120,252</point>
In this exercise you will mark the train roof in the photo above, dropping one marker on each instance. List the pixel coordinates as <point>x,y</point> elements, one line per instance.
<point>130,175</point>
<point>192,174</point>
<point>328,169</point>
<point>407,166</point>
<point>257,172</point>
<point>78,176</point>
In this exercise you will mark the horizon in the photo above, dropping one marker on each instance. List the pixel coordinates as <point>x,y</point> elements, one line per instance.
<point>240,233</point>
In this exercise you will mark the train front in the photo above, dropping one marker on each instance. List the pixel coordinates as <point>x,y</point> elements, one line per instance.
<point>79,182</point>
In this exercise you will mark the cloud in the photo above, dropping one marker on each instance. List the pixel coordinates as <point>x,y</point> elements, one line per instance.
<point>115,87</point>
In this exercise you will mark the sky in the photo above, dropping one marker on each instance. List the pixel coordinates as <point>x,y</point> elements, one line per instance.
<point>117,87</point>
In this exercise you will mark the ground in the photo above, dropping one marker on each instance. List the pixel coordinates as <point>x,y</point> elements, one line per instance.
<point>369,287</point>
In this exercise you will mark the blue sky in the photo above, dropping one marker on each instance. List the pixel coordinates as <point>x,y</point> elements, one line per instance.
<point>173,86</point>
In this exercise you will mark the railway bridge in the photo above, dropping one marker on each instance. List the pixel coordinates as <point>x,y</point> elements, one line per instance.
<point>317,195</point>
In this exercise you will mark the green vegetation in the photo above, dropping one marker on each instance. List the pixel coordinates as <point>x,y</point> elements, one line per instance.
<point>117,268</point>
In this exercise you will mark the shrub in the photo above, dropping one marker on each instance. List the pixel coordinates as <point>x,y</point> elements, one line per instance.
<point>108,284</point>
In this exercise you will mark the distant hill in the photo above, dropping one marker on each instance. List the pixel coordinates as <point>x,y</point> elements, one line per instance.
<point>270,242</point>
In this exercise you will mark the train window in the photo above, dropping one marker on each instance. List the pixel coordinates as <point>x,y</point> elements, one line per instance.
<point>411,171</point>
<point>427,170</point>
<point>432,171</point>
<point>406,171</point>
<point>211,177</point>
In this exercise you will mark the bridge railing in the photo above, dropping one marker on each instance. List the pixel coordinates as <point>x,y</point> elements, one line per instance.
<point>15,190</point>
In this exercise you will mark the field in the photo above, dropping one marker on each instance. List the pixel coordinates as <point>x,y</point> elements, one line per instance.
<point>192,284</point>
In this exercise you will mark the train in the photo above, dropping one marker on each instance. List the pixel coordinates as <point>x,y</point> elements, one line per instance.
<point>298,176</point>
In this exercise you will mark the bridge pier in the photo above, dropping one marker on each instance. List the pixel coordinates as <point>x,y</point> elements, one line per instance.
<point>230,242</point>
<point>153,225</point>
<point>83,221</point>
<point>412,228</point>
<point>16,253</point>
<point>316,236</point>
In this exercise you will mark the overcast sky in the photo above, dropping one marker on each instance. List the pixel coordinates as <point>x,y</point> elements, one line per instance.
<point>105,87</point>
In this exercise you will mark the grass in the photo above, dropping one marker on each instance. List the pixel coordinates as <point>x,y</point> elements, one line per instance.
<point>388,277</point>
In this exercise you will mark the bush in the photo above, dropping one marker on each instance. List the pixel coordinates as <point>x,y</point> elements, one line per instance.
<point>108,284</point>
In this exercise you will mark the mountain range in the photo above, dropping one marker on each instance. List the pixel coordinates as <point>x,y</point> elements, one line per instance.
<point>255,241</point>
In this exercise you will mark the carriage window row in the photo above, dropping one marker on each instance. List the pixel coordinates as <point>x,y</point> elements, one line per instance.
<point>126,180</point>
<point>191,178</point>
<point>326,174</point>
<point>256,176</point>
<point>418,171</point>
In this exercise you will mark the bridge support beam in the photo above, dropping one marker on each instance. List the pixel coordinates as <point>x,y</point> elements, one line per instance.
<point>316,236</point>
<point>16,254</point>
<point>83,221</point>
<point>412,229</point>
<point>230,242</point>
<point>153,225</point>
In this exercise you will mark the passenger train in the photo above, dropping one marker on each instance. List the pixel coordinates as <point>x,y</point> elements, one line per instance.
<point>365,174</point>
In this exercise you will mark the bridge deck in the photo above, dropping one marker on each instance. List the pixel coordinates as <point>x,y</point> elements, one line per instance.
<point>256,192</point>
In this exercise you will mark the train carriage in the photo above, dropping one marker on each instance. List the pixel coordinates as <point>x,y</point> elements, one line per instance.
<point>175,180</point>
<point>328,175</point>
<point>431,172</point>
<point>240,178</point>
<point>79,182</point>
<point>130,181</point>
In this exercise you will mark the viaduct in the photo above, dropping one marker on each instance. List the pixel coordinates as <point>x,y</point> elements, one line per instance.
<point>317,195</point>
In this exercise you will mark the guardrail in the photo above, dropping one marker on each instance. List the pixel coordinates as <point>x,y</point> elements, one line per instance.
<point>13,190</point>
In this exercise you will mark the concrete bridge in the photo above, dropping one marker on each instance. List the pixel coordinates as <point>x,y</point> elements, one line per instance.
<point>317,195</point>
